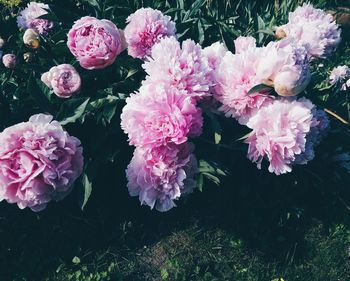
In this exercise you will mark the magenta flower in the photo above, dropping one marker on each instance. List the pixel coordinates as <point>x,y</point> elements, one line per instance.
<point>314,29</point>
<point>39,162</point>
<point>145,28</point>
<point>159,115</point>
<point>160,175</point>
<point>63,79</point>
<point>285,133</point>
<point>9,61</point>
<point>185,68</point>
<point>95,43</point>
<point>29,18</point>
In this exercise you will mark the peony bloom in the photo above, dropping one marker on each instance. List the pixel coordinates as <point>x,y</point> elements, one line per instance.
<point>313,28</point>
<point>234,77</point>
<point>145,28</point>
<point>39,162</point>
<point>289,137</point>
<point>63,79</point>
<point>31,39</point>
<point>2,42</point>
<point>243,44</point>
<point>9,61</point>
<point>29,18</point>
<point>95,43</point>
<point>159,115</point>
<point>160,175</point>
<point>185,68</point>
<point>340,75</point>
<point>214,54</point>
<point>284,65</point>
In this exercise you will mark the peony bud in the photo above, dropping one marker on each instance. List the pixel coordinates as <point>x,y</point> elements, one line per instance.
<point>280,33</point>
<point>9,60</point>
<point>31,39</point>
<point>2,42</point>
<point>28,57</point>
<point>291,82</point>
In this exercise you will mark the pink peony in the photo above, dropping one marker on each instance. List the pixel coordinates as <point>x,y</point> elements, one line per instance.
<point>340,75</point>
<point>160,175</point>
<point>9,61</point>
<point>243,44</point>
<point>214,54</point>
<point>285,133</point>
<point>284,65</point>
<point>185,68</point>
<point>63,79</point>
<point>313,28</point>
<point>145,28</point>
<point>234,77</point>
<point>95,43</point>
<point>29,18</point>
<point>39,162</point>
<point>159,115</point>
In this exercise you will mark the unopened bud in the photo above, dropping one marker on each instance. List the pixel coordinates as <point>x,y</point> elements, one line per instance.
<point>31,39</point>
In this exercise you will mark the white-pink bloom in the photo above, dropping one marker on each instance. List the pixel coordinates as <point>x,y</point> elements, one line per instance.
<point>29,18</point>
<point>313,28</point>
<point>159,115</point>
<point>214,54</point>
<point>63,79</point>
<point>243,44</point>
<point>340,75</point>
<point>145,28</point>
<point>9,60</point>
<point>185,68</point>
<point>285,133</point>
<point>160,175</point>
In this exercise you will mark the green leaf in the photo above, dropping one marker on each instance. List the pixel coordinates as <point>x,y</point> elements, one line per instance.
<point>85,190</point>
<point>72,110</point>
<point>259,88</point>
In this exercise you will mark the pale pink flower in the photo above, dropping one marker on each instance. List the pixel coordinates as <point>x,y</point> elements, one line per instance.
<point>214,54</point>
<point>145,28</point>
<point>160,175</point>
<point>9,60</point>
<point>243,44</point>
<point>95,43</point>
<point>160,114</point>
<point>63,79</point>
<point>29,18</point>
<point>285,133</point>
<point>340,76</point>
<point>313,28</point>
<point>185,68</point>
<point>39,162</point>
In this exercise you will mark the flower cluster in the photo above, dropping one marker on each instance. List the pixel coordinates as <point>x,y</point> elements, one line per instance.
<point>313,28</point>
<point>39,162</point>
<point>30,18</point>
<point>144,29</point>
<point>63,79</point>
<point>340,75</point>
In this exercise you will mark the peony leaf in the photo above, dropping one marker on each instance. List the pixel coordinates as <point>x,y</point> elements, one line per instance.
<point>259,88</point>
<point>85,190</point>
<point>72,110</point>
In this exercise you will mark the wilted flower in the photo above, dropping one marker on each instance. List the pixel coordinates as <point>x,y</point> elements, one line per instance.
<point>160,175</point>
<point>185,68</point>
<point>31,39</point>
<point>340,75</point>
<point>39,162</point>
<point>95,43</point>
<point>243,44</point>
<point>145,28</point>
<point>9,60</point>
<point>313,28</point>
<point>159,115</point>
<point>29,18</point>
<point>63,79</point>
<point>285,133</point>
<point>28,57</point>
